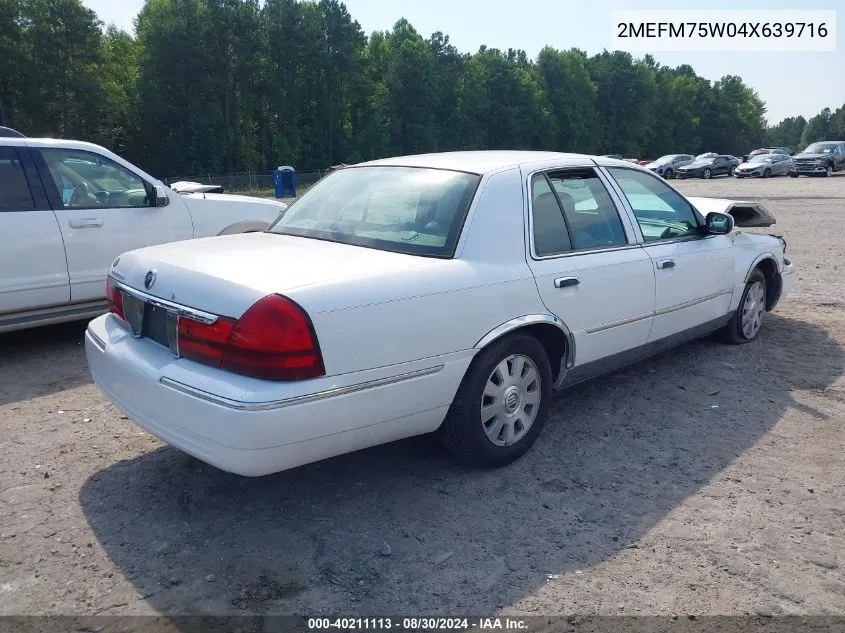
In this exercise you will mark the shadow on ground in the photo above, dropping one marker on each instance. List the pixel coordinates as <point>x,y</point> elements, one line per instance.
<point>26,357</point>
<point>617,455</point>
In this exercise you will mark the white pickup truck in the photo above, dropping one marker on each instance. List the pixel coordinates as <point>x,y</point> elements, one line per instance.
<point>68,209</point>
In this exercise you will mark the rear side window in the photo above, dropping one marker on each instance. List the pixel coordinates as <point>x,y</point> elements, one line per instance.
<point>14,189</point>
<point>572,210</point>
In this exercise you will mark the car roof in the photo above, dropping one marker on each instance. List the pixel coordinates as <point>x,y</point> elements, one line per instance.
<point>480,162</point>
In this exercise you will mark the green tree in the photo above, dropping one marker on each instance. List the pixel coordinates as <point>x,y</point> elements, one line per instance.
<point>501,103</point>
<point>118,123</point>
<point>624,101</point>
<point>818,128</point>
<point>572,99</point>
<point>60,52</point>
<point>787,133</point>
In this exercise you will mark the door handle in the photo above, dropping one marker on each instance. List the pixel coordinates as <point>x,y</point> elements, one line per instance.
<point>665,263</point>
<point>85,223</point>
<point>566,282</point>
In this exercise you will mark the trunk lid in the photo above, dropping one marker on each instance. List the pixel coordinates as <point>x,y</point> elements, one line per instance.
<point>226,275</point>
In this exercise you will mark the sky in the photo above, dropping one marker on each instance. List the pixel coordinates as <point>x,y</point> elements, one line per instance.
<point>791,84</point>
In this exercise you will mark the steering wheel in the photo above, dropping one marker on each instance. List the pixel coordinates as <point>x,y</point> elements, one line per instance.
<point>666,234</point>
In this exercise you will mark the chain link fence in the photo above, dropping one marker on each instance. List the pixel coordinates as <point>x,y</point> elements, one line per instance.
<point>253,183</point>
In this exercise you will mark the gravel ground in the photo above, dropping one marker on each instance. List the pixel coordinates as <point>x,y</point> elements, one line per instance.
<point>708,480</point>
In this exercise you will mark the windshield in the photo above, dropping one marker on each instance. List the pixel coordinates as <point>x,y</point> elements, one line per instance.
<point>401,209</point>
<point>820,148</point>
<point>666,159</point>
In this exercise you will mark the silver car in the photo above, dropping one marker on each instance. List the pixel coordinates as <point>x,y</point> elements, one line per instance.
<point>667,166</point>
<point>765,165</point>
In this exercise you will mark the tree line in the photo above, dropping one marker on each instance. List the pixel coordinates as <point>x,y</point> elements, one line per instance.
<point>211,86</point>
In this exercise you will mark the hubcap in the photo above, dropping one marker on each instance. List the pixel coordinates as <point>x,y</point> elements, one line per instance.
<point>753,309</point>
<point>707,173</point>
<point>511,400</point>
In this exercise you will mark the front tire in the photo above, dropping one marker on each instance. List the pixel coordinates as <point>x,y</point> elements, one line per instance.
<point>668,174</point>
<point>706,174</point>
<point>767,173</point>
<point>502,403</point>
<point>747,320</point>
<point>828,171</point>
<point>793,175</point>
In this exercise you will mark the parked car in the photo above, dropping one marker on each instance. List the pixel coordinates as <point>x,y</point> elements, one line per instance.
<point>708,166</point>
<point>765,165</point>
<point>186,186</point>
<point>820,159</point>
<point>668,165</point>
<point>770,150</point>
<point>68,209</point>
<point>444,292</point>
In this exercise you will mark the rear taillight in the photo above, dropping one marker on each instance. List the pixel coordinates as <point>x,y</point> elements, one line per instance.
<point>274,340</point>
<point>115,298</point>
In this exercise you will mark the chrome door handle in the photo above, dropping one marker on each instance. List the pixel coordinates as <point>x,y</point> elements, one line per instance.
<point>665,263</point>
<point>566,282</point>
<point>85,223</point>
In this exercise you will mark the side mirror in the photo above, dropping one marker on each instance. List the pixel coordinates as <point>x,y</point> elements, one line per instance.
<point>160,196</point>
<point>719,223</point>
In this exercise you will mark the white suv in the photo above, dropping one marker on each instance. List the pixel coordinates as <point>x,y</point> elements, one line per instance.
<point>68,209</point>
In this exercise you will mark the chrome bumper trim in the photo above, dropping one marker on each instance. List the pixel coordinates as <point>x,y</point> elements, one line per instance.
<point>296,400</point>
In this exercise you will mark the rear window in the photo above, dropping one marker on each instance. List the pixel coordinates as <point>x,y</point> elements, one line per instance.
<point>409,210</point>
<point>14,190</point>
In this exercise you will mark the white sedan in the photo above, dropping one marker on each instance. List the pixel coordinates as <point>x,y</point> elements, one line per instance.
<point>68,208</point>
<point>446,292</point>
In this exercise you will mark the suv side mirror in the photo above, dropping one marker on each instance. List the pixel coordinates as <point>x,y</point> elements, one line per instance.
<point>719,223</point>
<point>160,196</point>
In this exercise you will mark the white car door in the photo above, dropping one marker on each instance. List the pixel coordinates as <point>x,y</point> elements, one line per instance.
<point>589,270</point>
<point>103,209</point>
<point>694,271</point>
<point>33,271</point>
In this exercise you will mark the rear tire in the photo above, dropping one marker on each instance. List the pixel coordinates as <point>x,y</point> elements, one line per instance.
<point>502,403</point>
<point>791,175</point>
<point>747,320</point>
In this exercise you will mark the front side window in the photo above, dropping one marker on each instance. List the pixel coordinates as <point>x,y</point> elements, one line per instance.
<point>89,181</point>
<point>410,210</point>
<point>661,212</point>
<point>14,189</point>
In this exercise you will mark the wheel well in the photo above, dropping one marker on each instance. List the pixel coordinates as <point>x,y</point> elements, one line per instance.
<point>773,281</point>
<point>551,338</point>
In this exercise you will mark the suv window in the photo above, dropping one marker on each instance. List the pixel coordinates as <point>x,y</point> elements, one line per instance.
<point>14,189</point>
<point>86,180</point>
<point>572,210</point>
<point>661,212</point>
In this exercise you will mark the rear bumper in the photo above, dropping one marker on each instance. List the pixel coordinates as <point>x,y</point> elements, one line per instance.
<point>218,419</point>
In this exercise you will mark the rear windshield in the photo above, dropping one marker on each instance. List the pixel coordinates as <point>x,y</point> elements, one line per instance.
<point>401,209</point>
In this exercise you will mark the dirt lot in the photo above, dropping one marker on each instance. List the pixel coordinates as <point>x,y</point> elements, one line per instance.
<point>710,480</point>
